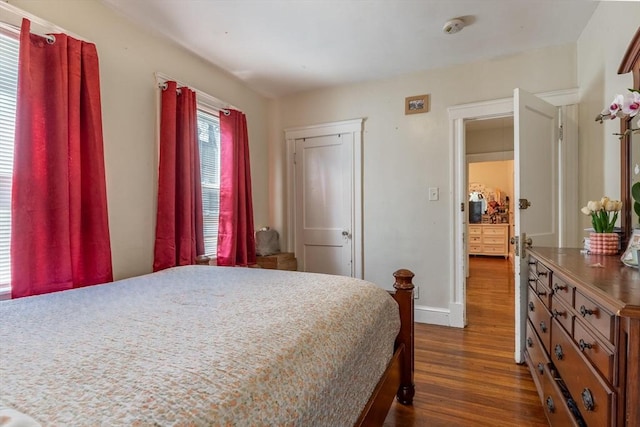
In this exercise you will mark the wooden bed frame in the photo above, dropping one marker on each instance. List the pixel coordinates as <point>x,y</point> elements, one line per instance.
<point>397,380</point>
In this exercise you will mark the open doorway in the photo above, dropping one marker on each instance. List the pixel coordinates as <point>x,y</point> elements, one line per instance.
<point>490,224</point>
<point>530,128</point>
<point>490,183</point>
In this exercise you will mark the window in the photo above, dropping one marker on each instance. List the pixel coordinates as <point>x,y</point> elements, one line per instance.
<point>9,45</point>
<point>209,146</point>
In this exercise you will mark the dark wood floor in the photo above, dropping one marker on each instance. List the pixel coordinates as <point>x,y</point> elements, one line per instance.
<point>468,377</point>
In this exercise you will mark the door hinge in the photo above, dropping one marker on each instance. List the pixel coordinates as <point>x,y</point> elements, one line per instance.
<point>515,241</point>
<point>561,133</point>
<point>462,207</point>
<point>294,158</point>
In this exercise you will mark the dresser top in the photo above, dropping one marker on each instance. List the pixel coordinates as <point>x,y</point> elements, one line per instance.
<point>604,276</point>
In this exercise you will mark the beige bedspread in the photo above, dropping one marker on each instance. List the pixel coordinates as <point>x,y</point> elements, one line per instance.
<point>196,346</point>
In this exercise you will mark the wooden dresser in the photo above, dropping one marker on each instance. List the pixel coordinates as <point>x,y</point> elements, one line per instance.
<point>583,337</point>
<point>489,239</point>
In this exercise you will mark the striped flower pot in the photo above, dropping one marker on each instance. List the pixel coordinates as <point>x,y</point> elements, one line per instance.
<point>604,243</point>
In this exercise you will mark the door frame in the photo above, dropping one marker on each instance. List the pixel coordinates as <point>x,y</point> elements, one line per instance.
<point>346,127</point>
<point>568,193</point>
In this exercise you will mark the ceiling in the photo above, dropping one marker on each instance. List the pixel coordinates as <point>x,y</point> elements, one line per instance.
<point>279,47</point>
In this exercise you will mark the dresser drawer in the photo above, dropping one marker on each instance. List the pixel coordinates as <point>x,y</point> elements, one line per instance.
<point>540,289</point>
<point>475,249</point>
<point>595,350</point>
<point>493,249</point>
<point>562,313</point>
<point>494,231</point>
<point>555,401</point>
<point>594,398</point>
<point>475,230</point>
<point>474,239</point>
<point>602,320</point>
<point>536,357</point>
<point>491,240</point>
<point>540,319</point>
<point>544,275</point>
<point>563,290</point>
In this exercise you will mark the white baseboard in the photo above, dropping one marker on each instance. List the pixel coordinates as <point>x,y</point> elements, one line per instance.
<point>456,315</point>
<point>431,315</point>
<point>439,316</point>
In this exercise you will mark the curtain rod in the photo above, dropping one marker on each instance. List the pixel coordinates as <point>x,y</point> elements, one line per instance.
<point>224,111</point>
<point>51,39</point>
<point>205,98</point>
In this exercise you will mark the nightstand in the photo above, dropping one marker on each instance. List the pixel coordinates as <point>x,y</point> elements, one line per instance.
<point>279,261</point>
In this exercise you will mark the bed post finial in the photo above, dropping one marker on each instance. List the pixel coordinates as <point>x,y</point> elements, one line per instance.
<point>404,297</point>
<point>403,279</point>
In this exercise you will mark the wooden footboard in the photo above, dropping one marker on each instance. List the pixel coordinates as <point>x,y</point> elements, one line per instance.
<point>398,378</point>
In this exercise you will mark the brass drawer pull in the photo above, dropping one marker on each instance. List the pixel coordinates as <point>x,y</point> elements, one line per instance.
<point>557,313</point>
<point>585,311</point>
<point>542,273</point>
<point>557,287</point>
<point>531,280</point>
<point>541,368</point>
<point>587,400</point>
<point>532,307</point>
<point>529,342</point>
<point>541,293</point>
<point>558,351</point>
<point>543,326</point>
<point>584,345</point>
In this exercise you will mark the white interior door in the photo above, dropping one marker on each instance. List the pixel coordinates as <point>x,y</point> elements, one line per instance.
<point>536,206</point>
<point>323,187</point>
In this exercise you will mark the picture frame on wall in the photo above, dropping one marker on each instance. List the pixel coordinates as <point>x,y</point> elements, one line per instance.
<point>416,104</point>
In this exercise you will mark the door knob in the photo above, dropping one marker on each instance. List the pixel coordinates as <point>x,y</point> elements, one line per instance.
<point>524,204</point>
<point>346,234</point>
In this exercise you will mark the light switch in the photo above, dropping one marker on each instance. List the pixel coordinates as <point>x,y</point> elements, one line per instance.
<point>434,193</point>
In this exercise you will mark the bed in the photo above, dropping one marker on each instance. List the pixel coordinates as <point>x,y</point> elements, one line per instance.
<point>202,345</point>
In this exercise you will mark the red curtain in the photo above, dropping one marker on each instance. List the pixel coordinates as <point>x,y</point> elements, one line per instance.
<point>179,236</point>
<point>60,230</point>
<point>236,238</point>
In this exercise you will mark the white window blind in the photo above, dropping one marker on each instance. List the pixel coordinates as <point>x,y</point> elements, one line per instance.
<point>209,146</point>
<point>9,46</point>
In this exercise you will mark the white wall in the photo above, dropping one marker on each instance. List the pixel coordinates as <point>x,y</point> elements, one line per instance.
<point>404,155</point>
<point>489,140</point>
<point>128,58</point>
<point>600,50</point>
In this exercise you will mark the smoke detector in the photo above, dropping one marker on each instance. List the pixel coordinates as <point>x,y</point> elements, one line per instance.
<point>453,26</point>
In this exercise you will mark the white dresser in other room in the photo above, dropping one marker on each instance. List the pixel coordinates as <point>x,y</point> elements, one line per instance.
<point>489,239</point>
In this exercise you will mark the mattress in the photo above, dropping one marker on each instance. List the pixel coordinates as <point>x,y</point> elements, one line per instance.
<point>197,346</point>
